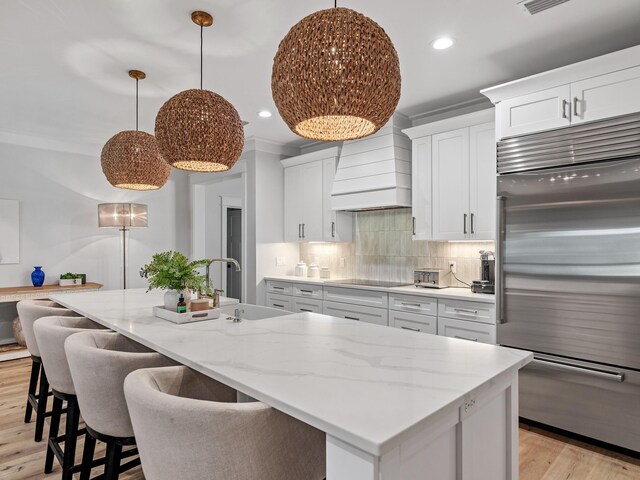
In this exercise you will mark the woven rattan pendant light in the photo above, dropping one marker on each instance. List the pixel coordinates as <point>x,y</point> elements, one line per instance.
<point>198,130</point>
<point>131,159</point>
<point>336,76</point>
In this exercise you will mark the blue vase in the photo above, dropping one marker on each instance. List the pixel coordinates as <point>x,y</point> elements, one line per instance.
<point>37,277</point>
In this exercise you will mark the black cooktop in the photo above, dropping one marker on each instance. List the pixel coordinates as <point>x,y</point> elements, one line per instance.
<point>369,283</point>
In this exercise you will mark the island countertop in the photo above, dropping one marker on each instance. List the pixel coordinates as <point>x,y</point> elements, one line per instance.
<point>363,384</point>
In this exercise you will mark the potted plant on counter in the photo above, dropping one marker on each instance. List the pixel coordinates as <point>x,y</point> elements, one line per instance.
<point>171,271</point>
<point>67,279</point>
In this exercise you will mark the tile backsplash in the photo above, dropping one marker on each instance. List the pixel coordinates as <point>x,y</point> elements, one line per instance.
<point>384,250</point>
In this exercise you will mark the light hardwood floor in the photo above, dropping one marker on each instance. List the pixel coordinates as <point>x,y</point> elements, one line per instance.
<point>543,456</point>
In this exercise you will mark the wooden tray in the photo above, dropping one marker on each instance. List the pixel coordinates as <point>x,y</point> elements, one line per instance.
<point>188,317</point>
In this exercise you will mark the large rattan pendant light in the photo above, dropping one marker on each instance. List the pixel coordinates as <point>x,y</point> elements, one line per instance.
<point>336,76</point>
<point>198,130</point>
<point>131,159</point>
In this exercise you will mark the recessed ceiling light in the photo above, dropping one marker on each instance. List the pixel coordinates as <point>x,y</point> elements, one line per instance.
<point>442,43</point>
<point>264,113</point>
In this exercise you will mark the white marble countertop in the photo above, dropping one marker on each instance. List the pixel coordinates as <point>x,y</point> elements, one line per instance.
<point>451,292</point>
<point>364,384</point>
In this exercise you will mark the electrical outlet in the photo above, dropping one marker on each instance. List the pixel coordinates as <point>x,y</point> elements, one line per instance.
<point>281,262</point>
<point>343,262</point>
<point>452,266</point>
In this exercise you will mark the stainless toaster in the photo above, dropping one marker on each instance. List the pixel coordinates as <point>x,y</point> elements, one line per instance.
<point>431,278</point>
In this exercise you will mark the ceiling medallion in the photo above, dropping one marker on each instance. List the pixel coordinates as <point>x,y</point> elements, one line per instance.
<point>198,130</point>
<point>131,159</point>
<point>336,76</point>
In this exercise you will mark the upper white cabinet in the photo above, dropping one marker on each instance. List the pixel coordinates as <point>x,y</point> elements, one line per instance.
<point>606,96</point>
<point>454,178</point>
<point>598,88</point>
<point>537,111</point>
<point>307,200</point>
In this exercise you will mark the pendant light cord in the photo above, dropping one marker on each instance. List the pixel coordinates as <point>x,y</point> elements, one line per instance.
<point>335,3</point>
<point>136,104</point>
<point>201,46</point>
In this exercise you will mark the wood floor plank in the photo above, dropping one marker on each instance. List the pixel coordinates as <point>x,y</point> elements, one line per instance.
<point>543,455</point>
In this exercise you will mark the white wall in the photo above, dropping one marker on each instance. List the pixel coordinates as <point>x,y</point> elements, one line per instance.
<point>59,193</point>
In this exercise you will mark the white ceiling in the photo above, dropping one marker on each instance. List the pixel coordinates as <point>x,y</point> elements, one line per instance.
<point>63,71</point>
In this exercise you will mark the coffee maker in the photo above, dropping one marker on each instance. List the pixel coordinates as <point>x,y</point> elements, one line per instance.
<point>487,282</point>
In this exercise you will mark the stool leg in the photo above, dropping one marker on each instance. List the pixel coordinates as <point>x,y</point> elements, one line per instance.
<point>53,433</point>
<point>112,465</point>
<point>33,384</point>
<point>70,438</point>
<point>87,456</point>
<point>42,404</point>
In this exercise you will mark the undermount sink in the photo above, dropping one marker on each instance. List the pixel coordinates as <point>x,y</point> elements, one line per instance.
<point>253,312</point>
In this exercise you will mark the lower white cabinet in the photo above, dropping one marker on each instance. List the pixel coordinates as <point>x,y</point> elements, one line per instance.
<point>466,330</point>
<point>379,316</point>
<point>307,305</point>
<point>414,322</point>
<point>356,296</point>
<point>282,302</point>
<point>467,310</point>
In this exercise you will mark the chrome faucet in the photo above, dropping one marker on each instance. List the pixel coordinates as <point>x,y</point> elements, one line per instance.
<point>237,315</point>
<point>223,260</point>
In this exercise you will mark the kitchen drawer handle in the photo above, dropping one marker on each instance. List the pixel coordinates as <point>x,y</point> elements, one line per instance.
<point>277,288</point>
<point>409,328</point>
<point>466,338</point>
<point>414,225</point>
<point>299,230</point>
<point>306,310</point>
<point>616,376</point>
<point>303,231</point>
<point>575,106</point>
<point>278,305</point>
<point>464,223</point>
<point>565,103</point>
<point>352,318</point>
<point>416,305</point>
<point>465,310</point>
<point>306,291</point>
<point>333,229</point>
<point>472,227</point>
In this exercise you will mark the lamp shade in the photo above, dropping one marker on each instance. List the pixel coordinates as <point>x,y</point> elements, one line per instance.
<point>131,160</point>
<point>122,215</point>
<point>336,76</point>
<point>199,131</point>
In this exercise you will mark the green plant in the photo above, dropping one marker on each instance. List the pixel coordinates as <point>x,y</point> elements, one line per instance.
<point>69,276</point>
<point>173,271</point>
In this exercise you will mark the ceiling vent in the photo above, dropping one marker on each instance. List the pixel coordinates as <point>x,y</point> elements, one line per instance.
<point>537,6</point>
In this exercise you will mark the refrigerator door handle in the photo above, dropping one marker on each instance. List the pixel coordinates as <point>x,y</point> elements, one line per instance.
<point>499,260</point>
<point>592,372</point>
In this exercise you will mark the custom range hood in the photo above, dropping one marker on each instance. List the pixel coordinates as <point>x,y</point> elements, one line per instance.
<point>375,172</point>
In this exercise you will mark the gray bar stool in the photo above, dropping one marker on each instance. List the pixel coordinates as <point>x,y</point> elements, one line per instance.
<point>99,363</point>
<point>188,427</point>
<point>28,312</point>
<point>50,333</point>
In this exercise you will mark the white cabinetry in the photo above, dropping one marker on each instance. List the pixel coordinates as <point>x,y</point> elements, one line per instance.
<point>467,320</point>
<point>454,178</point>
<point>598,88</point>
<point>307,200</point>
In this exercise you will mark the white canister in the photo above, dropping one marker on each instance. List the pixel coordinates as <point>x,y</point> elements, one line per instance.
<point>325,273</point>
<point>314,271</point>
<point>301,269</point>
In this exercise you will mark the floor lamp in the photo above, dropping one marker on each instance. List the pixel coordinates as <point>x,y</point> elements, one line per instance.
<point>123,216</point>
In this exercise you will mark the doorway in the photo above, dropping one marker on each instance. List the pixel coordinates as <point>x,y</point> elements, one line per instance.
<point>234,250</point>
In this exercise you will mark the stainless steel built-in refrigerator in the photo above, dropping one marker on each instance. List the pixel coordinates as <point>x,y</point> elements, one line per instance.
<point>568,275</point>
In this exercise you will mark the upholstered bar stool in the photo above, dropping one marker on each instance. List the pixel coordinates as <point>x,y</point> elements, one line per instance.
<point>28,312</point>
<point>50,333</point>
<point>188,427</point>
<point>99,363</point>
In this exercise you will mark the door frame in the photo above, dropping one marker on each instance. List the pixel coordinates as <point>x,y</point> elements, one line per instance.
<point>227,202</point>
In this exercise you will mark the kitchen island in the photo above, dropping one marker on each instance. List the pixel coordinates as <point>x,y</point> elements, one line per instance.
<point>395,405</point>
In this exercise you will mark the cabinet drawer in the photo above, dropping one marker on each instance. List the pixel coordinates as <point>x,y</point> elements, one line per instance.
<point>279,301</point>
<point>307,305</point>
<point>413,304</point>
<point>411,321</point>
<point>465,330</point>
<point>308,291</point>
<point>356,296</point>
<point>465,310</point>
<point>281,288</point>
<point>378,316</point>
